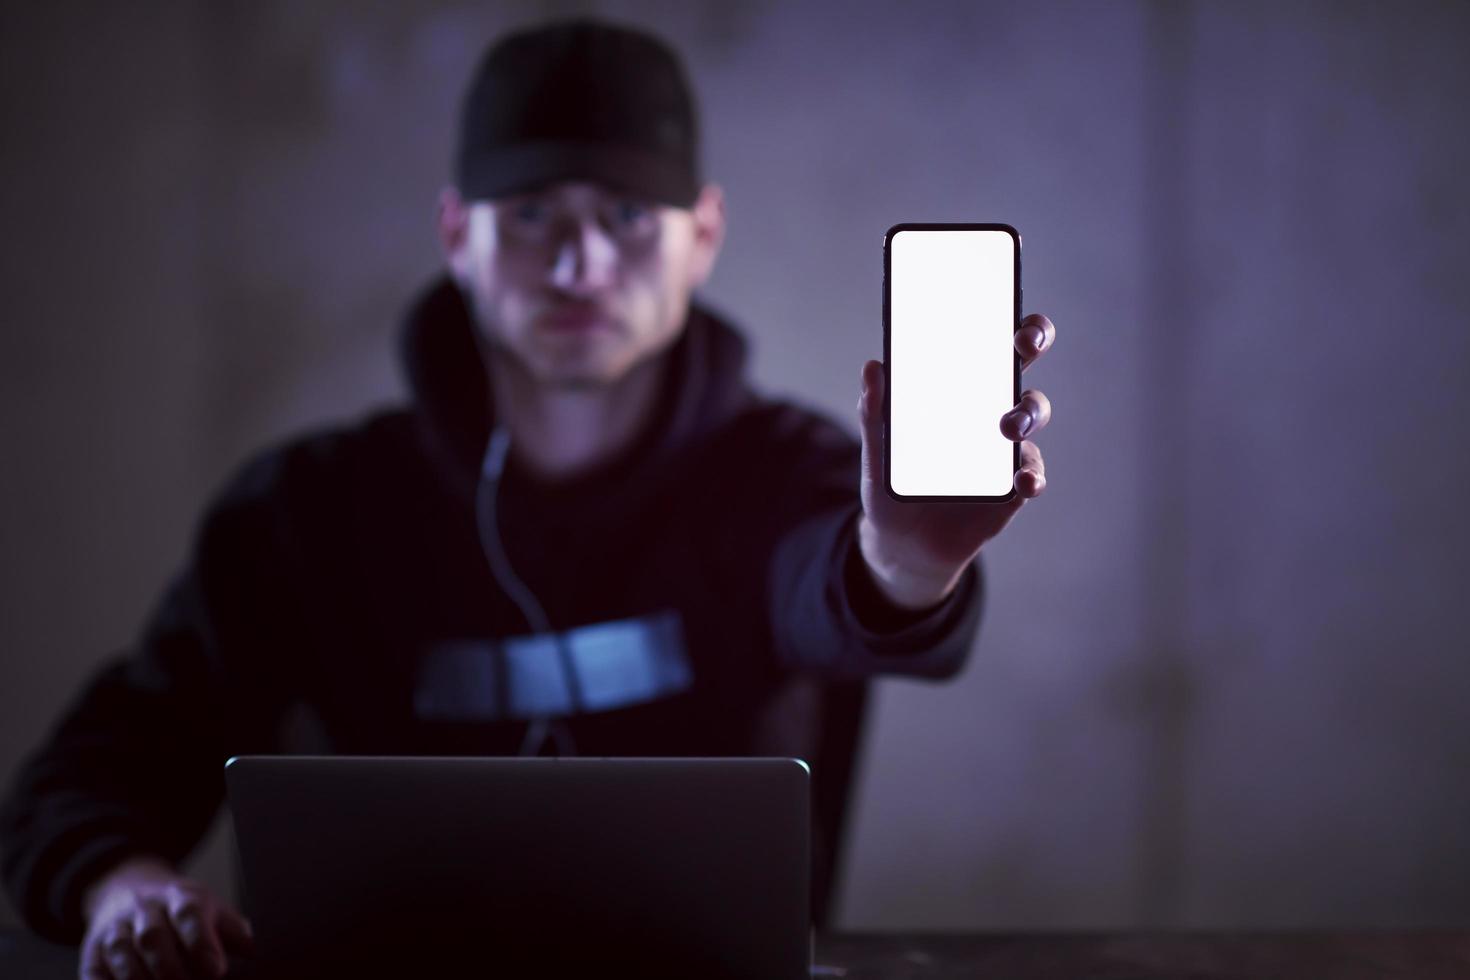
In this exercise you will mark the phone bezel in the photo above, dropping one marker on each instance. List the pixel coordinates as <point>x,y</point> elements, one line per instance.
<point>888,352</point>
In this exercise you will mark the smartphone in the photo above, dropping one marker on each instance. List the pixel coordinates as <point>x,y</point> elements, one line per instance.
<point>951,306</point>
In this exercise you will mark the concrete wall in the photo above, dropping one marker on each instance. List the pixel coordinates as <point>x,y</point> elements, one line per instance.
<point>1221,679</point>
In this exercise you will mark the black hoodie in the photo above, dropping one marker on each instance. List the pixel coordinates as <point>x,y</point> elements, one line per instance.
<point>704,591</point>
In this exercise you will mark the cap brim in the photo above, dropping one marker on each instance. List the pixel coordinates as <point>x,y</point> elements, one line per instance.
<point>506,170</point>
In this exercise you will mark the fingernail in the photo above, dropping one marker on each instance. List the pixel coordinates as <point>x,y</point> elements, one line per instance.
<point>1023,422</point>
<point>1038,337</point>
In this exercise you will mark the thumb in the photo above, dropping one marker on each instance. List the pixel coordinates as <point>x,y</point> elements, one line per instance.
<point>870,419</point>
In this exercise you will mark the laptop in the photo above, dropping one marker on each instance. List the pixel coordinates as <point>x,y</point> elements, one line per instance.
<point>525,866</point>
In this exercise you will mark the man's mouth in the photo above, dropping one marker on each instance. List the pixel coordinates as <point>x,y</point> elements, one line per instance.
<point>575,316</point>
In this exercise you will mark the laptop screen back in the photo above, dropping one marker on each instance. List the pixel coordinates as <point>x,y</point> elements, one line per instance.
<point>651,867</point>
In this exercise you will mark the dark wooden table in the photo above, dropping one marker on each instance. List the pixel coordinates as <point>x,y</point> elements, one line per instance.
<point>1073,956</point>
<point>1126,956</point>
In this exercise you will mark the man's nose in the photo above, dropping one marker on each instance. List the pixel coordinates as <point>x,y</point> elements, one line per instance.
<point>586,259</point>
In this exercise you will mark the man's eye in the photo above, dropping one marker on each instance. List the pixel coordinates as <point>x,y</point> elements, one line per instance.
<point>627,213</point>
<point>530,212</point>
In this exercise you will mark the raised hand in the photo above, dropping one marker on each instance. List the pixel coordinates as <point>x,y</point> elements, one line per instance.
<point>917,550</point>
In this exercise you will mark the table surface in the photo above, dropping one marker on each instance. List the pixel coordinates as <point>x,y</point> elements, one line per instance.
<point>1044,956</point>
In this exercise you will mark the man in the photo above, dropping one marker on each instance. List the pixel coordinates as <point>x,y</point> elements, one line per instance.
<point>587,533</point>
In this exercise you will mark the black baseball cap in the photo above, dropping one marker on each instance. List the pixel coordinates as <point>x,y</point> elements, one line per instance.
<point>579,100</point>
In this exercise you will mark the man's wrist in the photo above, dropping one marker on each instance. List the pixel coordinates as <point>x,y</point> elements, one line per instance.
<point>902,580</point>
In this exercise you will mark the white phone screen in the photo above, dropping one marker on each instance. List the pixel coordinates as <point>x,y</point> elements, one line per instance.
<point>952,305</point>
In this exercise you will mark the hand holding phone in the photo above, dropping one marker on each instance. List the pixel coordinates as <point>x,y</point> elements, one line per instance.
<point>947,453</point>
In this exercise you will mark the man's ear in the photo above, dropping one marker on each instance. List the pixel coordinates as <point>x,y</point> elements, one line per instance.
<point>709,232</point>
<point>453,226</point>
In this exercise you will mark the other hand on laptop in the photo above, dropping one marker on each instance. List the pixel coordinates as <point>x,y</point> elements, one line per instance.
<point>145,921</point>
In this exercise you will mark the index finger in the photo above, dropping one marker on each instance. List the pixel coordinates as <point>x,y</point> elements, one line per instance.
<point>1034,336</point>
<point>157,943</point>
<point>196,932</point>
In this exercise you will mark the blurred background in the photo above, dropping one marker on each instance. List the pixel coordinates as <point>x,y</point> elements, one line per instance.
<point>1223,678</point>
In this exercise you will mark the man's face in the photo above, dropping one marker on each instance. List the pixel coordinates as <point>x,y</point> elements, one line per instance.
<point>577,282</point>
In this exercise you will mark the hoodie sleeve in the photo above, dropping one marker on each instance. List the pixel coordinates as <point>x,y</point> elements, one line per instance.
<point>825,612</point>
<point>135,763</point>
